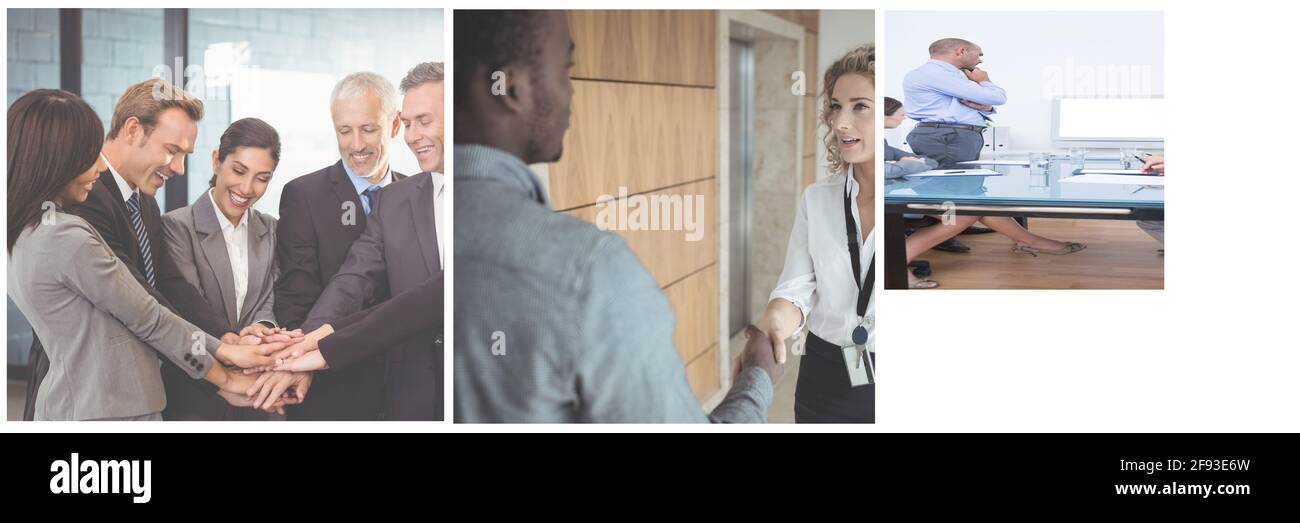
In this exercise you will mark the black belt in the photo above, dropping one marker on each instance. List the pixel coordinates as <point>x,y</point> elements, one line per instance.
<point>978,128</point>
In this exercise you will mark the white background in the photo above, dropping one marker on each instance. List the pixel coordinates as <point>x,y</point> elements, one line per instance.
<point>1214,352</point>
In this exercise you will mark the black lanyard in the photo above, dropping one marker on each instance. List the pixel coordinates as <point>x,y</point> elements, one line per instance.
<point>851,228</point>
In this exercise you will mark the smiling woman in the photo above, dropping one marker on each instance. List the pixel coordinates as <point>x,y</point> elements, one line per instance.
<point>826,285</point>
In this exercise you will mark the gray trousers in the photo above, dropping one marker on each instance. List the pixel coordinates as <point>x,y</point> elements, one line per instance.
<point>946,145</point>
<point>1155,228</point>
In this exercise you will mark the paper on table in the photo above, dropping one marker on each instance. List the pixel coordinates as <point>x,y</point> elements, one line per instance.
<point>955,172</point>
<point>1024,163</point>
<point>1110,171</point>
<point>1118,179</point>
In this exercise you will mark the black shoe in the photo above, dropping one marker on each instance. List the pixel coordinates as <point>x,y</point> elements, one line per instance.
<point>919,268</point>
<point>952,245</point>
<point>976,229</point>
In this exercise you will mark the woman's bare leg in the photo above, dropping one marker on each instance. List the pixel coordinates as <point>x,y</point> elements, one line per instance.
<point>926,238</point>
<point>1008,227</point>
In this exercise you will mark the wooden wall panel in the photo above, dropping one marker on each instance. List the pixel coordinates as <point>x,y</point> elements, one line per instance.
<point>702,373</point>
<point>645,119</point>
<point>666,253</point>
<point>642,137</point>
<point>665,47</point>
<point>695,303</point>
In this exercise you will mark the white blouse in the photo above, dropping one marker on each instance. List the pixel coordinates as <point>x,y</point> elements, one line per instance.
<point>818,273</point>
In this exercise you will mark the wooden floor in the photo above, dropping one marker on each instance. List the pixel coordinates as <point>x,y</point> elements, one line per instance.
<point>1119,256</point>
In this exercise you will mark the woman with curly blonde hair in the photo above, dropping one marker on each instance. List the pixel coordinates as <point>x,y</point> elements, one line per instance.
<point>829,266</point>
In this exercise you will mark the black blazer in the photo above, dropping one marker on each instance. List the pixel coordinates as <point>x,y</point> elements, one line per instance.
<point>413,314</point>
<point>312,240</point>
<point>105,209</point>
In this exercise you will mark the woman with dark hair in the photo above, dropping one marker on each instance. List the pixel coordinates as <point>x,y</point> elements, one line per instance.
<point>226,249</point>
<point>102,331</point>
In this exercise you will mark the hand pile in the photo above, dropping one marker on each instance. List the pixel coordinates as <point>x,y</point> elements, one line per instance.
<point>260,385</point>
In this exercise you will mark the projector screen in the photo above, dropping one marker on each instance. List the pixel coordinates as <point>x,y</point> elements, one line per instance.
<point>1109,119</point>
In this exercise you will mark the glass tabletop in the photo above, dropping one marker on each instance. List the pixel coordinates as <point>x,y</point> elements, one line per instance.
<point>1022,185</point>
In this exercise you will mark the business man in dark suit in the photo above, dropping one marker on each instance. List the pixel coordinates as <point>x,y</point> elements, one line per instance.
<point>399,246</point>
<point>321,215</point>
<point>398,253</point>
<point>147,143</point>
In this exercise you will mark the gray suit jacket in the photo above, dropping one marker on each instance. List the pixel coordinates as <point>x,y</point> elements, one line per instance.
<point>102,331</point>
<point>557,321</point>
<point>193,238</point>
<point>397,252</point>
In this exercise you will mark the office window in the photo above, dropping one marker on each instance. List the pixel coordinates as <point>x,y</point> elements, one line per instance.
<point>32,63</point>
<point>281,64</point>
<point>120,47</point>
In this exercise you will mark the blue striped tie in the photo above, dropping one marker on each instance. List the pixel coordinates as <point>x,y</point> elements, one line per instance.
<point>137,223</point>
<point>369,196</point>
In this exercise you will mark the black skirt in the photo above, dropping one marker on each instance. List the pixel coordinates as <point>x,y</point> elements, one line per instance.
<point>823,394</point>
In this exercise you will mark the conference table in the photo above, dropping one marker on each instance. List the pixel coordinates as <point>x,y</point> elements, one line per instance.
<point>1019,191</point>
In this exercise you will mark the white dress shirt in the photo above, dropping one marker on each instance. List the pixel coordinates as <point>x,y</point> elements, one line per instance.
<point>439,180</point>
<point>122,185</point>
<point>818,273</point>
<point>236,237</point>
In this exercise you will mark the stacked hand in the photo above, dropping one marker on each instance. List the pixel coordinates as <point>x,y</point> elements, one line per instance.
<point>304,354</point>
<point>258,386</point>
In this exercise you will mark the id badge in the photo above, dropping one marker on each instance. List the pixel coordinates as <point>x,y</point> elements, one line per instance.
<point>858,361</point>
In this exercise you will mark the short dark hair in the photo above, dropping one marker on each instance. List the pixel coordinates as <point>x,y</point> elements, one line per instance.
<point>54,136</point>
<point>247,132</point>
<point>490,40</point>
<point>892,106</point>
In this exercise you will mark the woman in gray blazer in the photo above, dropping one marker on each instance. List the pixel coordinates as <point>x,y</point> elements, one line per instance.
<point>224,247</point>
<point>102,331</point>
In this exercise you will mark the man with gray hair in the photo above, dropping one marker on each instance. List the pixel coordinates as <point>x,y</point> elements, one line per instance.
<point>321,215</point>
<point>951,97</point>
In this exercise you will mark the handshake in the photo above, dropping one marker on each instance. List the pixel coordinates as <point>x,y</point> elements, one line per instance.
<point>274,365</point>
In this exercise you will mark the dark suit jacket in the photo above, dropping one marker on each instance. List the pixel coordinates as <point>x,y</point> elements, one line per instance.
<point>397,253</point>
<point>382,326</point>
<point>106,210</point>
<point>313,236</point>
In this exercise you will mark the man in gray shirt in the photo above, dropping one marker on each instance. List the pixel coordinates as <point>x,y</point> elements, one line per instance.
<point>555,320</point>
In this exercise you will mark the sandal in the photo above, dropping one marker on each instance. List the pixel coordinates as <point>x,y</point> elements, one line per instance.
<point>922,284</point>
<point>1070,248</point>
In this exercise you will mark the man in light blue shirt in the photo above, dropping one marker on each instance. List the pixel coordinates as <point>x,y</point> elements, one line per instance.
<point>951,98</point>
<point>365,188</point>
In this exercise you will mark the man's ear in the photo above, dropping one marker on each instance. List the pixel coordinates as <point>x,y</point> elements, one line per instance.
<point>397,125</point>
<point>131,129</point>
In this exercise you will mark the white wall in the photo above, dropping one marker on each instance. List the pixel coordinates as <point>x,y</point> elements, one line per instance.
<point>837,32</point>
<point>1034,56</point>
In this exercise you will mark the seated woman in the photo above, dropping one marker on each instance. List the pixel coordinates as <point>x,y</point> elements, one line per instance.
<point>900,163</point>
<point>926,238</point>
<point>224,247</point>
<point>102,332</point>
